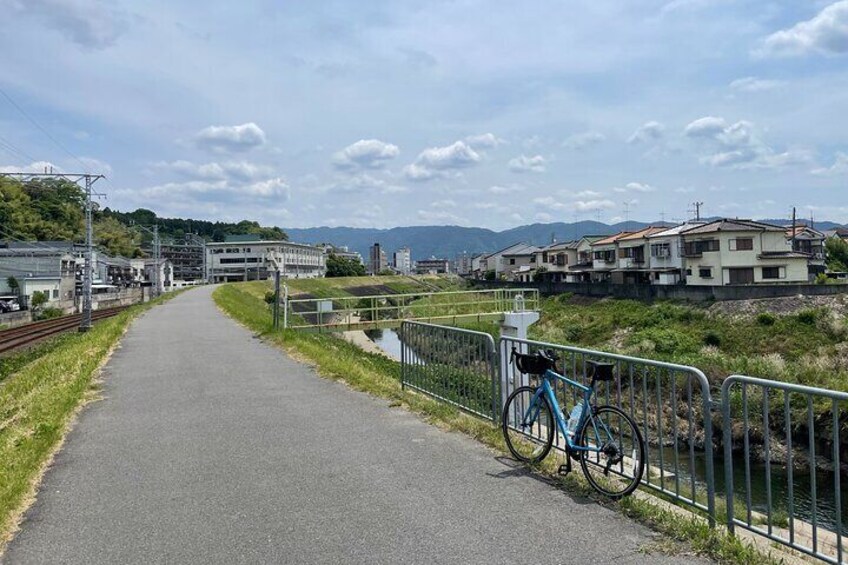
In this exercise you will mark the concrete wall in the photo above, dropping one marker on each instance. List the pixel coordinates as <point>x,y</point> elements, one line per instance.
<point>12,319</point>
<point>676,292</point>
<point>125,297</point>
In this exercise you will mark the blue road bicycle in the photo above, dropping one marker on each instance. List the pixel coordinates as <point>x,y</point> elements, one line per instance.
<point>604,439</point>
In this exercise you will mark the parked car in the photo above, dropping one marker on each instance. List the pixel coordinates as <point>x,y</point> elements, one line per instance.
<point>9,304</point>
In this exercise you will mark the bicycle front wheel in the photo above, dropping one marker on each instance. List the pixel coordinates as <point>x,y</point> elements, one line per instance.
<point>615,461</point>
<point>528,425</point>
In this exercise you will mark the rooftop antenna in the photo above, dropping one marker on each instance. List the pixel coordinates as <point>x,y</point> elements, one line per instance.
<point>697,206</point>
<point>598,214</point>
<point>626,214</point>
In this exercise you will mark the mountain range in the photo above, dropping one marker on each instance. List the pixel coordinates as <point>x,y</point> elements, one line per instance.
<point>450,241</point>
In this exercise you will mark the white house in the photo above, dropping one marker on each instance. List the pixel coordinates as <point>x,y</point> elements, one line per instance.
<point>666,254</point>
<point>727,251</point>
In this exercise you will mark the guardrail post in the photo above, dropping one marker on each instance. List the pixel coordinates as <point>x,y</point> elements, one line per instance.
<point>727,440</point>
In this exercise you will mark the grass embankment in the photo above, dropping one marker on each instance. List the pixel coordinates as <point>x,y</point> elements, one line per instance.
<point>337,359</point>
<point>808,347</point>
<point>40,391</point>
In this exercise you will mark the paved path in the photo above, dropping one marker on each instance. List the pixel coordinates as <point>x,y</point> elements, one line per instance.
<point>212,447</point>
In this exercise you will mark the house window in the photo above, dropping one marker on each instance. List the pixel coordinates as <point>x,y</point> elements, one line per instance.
<point>55,294</point>
<point>771,273</point>
<point>742,244</point>
<point>660,250</point>
<point>702,246</point>
<point>512,261</point>
<point>533,259</point>
<point>689,272</point>
<point>705,272</point>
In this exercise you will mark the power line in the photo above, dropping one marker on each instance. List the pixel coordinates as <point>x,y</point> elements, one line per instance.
<point>43,130</point>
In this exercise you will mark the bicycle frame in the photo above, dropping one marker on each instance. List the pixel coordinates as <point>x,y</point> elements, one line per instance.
<point>546,389</point>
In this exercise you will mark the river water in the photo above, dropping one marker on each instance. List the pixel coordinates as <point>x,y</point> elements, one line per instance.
<point>826,505</point>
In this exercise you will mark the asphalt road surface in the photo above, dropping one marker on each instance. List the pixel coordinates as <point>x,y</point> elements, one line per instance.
<point>212,447</point>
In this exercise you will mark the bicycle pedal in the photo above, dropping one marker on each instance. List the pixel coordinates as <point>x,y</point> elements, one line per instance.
<point>564,470</point>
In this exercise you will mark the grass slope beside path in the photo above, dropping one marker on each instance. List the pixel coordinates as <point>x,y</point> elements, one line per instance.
<point>337,359</point>
<point>38,402</point>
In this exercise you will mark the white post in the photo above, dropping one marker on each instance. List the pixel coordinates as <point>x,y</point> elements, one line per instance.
<point>514,325</point>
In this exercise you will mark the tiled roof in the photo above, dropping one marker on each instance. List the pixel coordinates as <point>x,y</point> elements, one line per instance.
<point>645,232</point>
<point>611,238</point>
<point>726,224</point>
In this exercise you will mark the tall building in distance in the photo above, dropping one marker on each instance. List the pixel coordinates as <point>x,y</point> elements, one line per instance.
<point>376,259</point>
<point>402,260</point>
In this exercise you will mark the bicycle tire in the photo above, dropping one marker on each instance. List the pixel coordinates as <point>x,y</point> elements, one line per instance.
<point>544,439</point>
<point>633,454</point>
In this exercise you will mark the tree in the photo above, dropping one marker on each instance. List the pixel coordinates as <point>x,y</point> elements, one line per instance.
<point>116,238</point>
<point>837,254</point>
<point>344,267</point>
<point>38,300</point>
<point>13,285</point>
<point>539,275</point>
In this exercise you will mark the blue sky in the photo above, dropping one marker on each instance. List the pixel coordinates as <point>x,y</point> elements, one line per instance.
<point>386,113</point>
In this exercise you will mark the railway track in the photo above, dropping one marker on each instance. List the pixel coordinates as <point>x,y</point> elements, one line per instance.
<point>28,334</point>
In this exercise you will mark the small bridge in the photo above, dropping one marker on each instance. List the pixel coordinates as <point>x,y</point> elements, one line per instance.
<point>346,313</point>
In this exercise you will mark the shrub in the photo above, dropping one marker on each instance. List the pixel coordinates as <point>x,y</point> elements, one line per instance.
<point>665,341</point>
<point>821,278</point>
<point>712,338</point>
<point>808,317</point>
<point>766,319</point>
<point>49,313</point>
<point>270,297</point>
<point>565,297</point>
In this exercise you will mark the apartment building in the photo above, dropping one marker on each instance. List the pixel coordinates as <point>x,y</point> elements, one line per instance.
<point>432,266</point>
<point>733,251</point>
<point>246,258</point>
<point>376,260</point>
<point>402,260</point>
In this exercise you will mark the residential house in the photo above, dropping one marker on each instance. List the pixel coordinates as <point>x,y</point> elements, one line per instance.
<point>492,264</point>
<point>40,267</point>
<point>804,239</point>
<point>634,257</point>
<point>604,256</point>
<point>728,252</point>
<point>553,260</point>
<point>519,264</point>
<point>666,261</point>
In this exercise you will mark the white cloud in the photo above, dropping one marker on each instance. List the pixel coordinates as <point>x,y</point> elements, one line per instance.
<point>95,24</point>
<point>550,203</point>
<point>754,84</point>
<point>826,33</point>
<point>447,203</point>
<point>583,140</point>
<point>684,190</point>
<point>235,170</point>
<point>365,153</point>
<point>524,164</point>
<point>363,183</point>
<point>647,132</point>
<point>589,194</point>
<point>543,217</point>
<point>587,205</point>
<point>226,139</point>
<point>35,167</point>
<point>438,161</point>
<point>635,187</point>
<point>441,216</point>
<point>274,187</point>
<point>498,189</point>
<point>839,167</point>
<point>484,141</point>
<point>738,146</point>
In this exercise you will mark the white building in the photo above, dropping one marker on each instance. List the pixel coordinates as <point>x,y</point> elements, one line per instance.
<point>402,260</point>
<point>728,251</point>
<point>245,258</point>
<point>666,254</point>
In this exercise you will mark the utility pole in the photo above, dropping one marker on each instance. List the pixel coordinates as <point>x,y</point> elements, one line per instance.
<point>697,206</point>
<point>87,181</point>
<point>157,255</point>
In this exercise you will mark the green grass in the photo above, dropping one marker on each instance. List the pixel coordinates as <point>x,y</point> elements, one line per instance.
<point>39,394</point>
<point>337,359</point>
<point>808,347</point>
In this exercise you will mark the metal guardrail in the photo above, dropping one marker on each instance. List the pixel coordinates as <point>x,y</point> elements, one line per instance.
<point>453,365</point>
<point>782,465</point>
<point>389,310</point>
<point>666,401</point>
<point>754,408</point>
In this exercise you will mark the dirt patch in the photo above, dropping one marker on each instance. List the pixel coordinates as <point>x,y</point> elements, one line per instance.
<point>837,304</point>
<point>370,290</point>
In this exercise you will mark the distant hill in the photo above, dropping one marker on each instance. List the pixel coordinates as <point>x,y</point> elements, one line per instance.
<point>450,241</point>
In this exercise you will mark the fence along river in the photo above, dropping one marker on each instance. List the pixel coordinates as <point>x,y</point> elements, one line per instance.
<point>779,493</point>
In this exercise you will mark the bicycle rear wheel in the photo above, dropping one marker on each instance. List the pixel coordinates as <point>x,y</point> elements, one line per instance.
<point>616,469</point>
<point>528,425</point>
